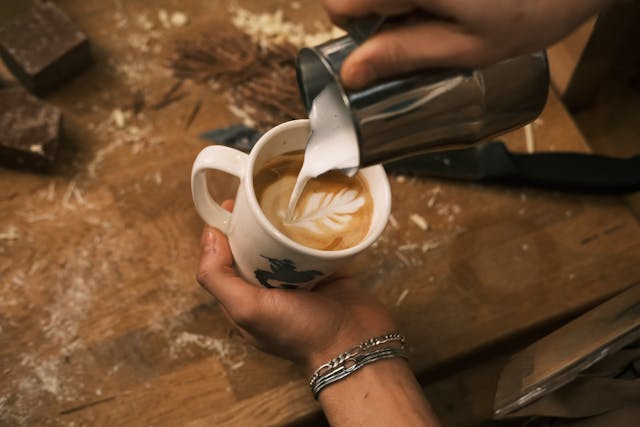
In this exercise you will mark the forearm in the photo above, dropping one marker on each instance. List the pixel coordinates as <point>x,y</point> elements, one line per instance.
<point>384,393</point>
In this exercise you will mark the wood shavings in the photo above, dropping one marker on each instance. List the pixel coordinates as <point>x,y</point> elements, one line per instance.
<point>67,195</point>
<point>449,210</point>
<point>118,118</point>
<point>400,179</point>
<point>403,258</point>
<point>79,197</point>
<point>144,22</point>
<point>529,138</point>
<point>408,247</point>
<point>163,17</point>
<point>266,28</point>
<point>402,296</point>
<point>35,267</point>
<point>51,192</point>
<point>12,233</point>
<point>178,19</point>
<point>140,42</point>
<point>429,246</point>
<point>420,221</point>
<point>30,218</point>
<point>36,148</point>
<point>394,222</point>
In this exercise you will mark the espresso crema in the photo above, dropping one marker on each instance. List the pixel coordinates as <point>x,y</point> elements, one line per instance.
<point>334,211</point>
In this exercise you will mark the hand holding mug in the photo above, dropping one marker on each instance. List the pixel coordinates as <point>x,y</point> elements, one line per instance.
<point>273,254</point>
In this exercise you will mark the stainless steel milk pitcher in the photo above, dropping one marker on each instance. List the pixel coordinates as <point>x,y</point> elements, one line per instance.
<point>432,109</point>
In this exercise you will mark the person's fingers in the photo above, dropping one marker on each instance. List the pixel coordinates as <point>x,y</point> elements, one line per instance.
<point>342,12</point>
<point>240,299</point>
<point>355,8</point>
<point>208,252</point>
<point>409,48</point>
<point>228,205</point>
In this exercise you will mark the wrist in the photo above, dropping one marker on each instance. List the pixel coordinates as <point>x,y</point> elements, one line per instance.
<point>376,349</point>
<point>343,342</point>
<point>382,393</point>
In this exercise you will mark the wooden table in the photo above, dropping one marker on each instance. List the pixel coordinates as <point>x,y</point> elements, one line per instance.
<point>102,322</point>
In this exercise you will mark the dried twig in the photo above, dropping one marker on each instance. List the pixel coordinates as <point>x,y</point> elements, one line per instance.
<point>192,116</point>
<point>261,80</point>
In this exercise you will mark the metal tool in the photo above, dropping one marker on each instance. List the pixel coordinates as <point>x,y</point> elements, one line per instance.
<point>431,109</point>
<point>493,162</point>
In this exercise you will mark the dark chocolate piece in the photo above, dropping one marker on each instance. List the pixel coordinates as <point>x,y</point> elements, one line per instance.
<point>43,48</point>
<point>30,130</point>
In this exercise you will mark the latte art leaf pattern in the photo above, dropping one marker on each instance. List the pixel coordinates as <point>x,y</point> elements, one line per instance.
<point>332,210</point>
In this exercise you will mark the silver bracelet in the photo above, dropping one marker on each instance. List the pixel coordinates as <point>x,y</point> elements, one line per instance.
<point>346,363</point>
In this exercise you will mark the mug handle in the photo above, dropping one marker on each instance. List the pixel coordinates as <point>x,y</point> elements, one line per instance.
<point>217,157</point>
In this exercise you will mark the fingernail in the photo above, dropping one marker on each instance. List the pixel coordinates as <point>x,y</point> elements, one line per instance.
<point>208,241</point>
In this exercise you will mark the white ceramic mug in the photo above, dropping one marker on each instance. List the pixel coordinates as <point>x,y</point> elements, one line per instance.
<point>263,255</point>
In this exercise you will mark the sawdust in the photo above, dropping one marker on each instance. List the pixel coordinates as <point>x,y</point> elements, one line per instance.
<point>401,297</point>
<point>230,354</point>
<point>136,136</point>
<point>420,221</point>
<point>11,233</point>
<point>405,261</point>
<point>430,245</point>
<point>408,247</point>
<point>272,28</point>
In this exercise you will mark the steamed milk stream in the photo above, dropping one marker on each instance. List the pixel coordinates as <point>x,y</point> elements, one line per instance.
<point>332,145</point>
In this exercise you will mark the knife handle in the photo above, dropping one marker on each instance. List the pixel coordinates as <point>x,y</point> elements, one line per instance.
<point>578,171</point>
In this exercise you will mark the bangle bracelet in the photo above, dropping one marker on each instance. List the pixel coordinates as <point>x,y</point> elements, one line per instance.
<point>346,363</point>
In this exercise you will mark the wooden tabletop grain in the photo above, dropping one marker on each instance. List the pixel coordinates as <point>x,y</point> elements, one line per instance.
<point>102,322</point>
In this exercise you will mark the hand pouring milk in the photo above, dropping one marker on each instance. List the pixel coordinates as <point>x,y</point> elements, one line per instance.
<point>332,144</point>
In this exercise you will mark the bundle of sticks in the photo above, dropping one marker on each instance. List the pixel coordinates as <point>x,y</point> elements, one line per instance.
<point>258,79</point>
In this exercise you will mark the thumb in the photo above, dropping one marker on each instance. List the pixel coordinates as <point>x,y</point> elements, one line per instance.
<point>240,299</point>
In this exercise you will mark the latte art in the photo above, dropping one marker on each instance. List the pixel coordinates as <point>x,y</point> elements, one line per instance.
<point>334,211</point>
<point>329,211</point>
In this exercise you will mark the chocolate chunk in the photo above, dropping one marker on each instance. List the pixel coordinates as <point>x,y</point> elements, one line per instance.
<point>30,130</point>
<point>43,48</point>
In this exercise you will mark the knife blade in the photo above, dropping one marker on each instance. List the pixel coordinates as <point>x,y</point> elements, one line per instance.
<point>493,162</point>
